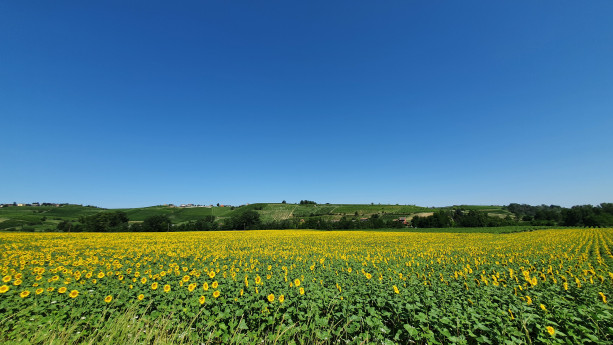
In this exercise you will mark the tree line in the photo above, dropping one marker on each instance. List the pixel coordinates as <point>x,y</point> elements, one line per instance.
<point>543,215</point>
<point>582,216</point>
<point>247,220</point>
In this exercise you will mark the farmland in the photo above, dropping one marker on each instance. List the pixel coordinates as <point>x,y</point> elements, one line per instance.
<point>301,286</point>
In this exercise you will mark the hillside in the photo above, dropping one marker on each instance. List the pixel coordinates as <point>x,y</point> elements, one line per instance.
<point>46,218</point>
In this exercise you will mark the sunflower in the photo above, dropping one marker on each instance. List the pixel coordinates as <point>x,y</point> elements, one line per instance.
<point>100,275</point>
<point>396,289</point>
<point>73,294</point>
<point>543,307</point>
<point>214,285</point>
<point>191,287</point>
<point>302,291</point>
<point>281,299</point>
<point>271,298</point>
<point>6,279</point>
<point>258,280</point>
<point>604,298</point>
<point>140,297</point>
<point>108,299</point>
<point>154,286</point>
<point>297,282</point>
<point>39,291</point>
<point>205,286</point>
<point>186,278</point>
<point>62,289</point>
<point>17,282</point>
<point>216,294</point>
<point>550,330</point>
<point>50,288</point>
<point>166,288</point>
<point>201,299</point>
<point>212,274</point>
<point>143,280</point>
<point>368,275</point>
<point>24,294</point>
<point>4,289</point>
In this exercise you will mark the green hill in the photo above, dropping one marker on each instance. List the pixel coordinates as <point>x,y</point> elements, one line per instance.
<point>46,218</point>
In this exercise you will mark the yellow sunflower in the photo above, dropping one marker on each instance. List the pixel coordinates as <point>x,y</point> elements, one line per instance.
<point>166,288</point>
<point>216,294</point>
<point>62,289</point>
<point>154,286</point>
<point>73,293</point>
<point>24,294</point>
<point>4,289</point>
<point>297,282</point>
<point>604,298</point>
<point>108,299</point>
<point>201,299</point>
<point>140,297</point>
<point>214,285</point>
<point>271,298</point>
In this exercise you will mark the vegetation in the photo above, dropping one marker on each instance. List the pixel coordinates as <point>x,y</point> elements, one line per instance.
<point>305,215</point>
<point>583,215</point>
<point>303,287</point>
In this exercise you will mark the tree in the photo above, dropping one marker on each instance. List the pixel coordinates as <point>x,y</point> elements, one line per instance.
<point>249,219</point>
<point>105,222</point>
<point>157,223</point>
<point>283,202</point>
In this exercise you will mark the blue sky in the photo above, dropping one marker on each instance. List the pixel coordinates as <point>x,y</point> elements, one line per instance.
<point>126,104</point>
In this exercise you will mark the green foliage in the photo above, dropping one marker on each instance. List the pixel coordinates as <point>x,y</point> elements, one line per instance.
<point>101,222</point>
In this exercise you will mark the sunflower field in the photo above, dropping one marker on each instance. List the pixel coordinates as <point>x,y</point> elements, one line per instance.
<point>307,287</point>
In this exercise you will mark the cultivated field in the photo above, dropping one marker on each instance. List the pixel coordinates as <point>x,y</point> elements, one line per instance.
<point>546,286</point>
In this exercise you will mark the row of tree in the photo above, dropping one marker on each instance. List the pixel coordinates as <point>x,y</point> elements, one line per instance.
<point>249,219</point>
<point>581,215</point>
<point>460,218</point>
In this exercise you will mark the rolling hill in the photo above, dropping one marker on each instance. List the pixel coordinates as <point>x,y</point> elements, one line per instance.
<point>46,218</point>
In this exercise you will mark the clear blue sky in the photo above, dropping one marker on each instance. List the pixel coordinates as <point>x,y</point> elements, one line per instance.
<point>126,103</point>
